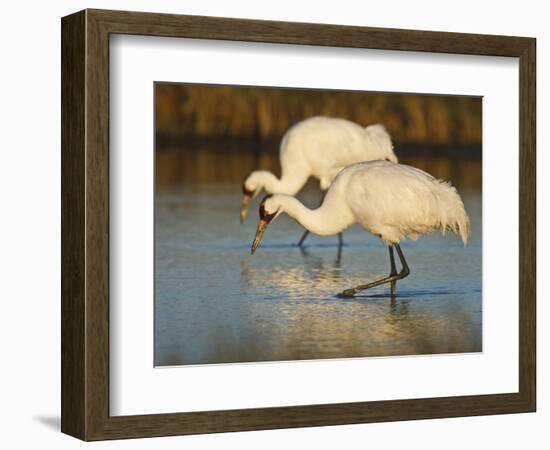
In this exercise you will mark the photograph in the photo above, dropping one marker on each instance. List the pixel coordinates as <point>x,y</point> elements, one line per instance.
<point>312,224</point>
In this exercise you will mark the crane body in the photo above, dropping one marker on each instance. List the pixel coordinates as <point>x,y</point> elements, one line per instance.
<point>318,147</point>
<point>392,201</point>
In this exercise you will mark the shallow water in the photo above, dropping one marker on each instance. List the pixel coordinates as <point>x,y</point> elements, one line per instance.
<point>216,303</point>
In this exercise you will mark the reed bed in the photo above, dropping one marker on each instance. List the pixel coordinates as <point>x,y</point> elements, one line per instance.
<point>254,113</point>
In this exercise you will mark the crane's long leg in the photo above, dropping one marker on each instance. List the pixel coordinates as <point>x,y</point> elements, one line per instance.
<point>393,271</point>
<point>391,278</point>
<point>338,256</point>
<point>303,238</point>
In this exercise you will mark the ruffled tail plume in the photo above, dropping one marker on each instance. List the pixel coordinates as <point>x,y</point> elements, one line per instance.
<point>454,216</point>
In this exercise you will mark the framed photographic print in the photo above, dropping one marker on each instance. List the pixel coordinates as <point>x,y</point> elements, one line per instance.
<point>270,224</point>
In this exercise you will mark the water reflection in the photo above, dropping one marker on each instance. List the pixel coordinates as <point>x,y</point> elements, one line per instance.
<point>195,165</point>
<point>215,303</point>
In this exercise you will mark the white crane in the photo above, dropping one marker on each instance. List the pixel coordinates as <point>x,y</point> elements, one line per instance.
<point>391,201</point>
<point>319,147</point>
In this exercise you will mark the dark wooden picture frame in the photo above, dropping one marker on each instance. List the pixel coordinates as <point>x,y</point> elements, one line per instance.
<point>85,224</point>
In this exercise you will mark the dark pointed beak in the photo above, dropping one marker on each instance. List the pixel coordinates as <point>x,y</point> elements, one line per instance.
<point>259,235</point>
<point>244,207</point>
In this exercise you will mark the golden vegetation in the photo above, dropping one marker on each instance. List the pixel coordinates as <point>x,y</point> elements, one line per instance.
<point>184,111</point>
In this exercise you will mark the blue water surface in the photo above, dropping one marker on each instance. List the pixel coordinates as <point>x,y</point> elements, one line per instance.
<point>216,303</point>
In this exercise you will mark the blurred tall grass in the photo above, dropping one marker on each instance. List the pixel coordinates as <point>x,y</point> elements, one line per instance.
<point>253,112</point>
<point>209,134</point>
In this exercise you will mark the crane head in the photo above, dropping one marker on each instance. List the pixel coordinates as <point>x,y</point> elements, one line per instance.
<point>248,194</point>
<point>265,218</point>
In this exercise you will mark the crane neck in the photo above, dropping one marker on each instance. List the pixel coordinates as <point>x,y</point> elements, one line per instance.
<point>324,221</point>
<point>289,185</point>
